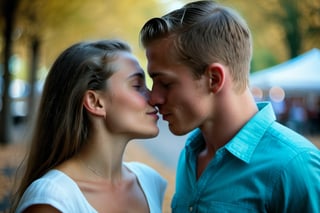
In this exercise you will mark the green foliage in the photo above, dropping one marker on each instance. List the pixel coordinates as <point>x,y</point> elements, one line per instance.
<point>59,24</point>
<point>285,28</point>
<point>263,59</point>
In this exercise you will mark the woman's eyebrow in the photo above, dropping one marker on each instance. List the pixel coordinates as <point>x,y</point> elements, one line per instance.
<point>137,74</point>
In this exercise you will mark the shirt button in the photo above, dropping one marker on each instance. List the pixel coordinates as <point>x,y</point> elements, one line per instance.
<point>190,208</point>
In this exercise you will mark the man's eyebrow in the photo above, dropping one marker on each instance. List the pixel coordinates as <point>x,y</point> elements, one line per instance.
<point>155,74</point>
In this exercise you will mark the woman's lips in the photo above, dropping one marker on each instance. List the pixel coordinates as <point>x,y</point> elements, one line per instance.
<point>154,114</point>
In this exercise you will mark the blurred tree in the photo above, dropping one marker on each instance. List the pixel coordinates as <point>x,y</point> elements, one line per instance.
<point>7,14</point>
<point>284,28</point>
<point>46,28</point>
<point>35,19</point>
<point>300,22</point>
<point>30,16</point>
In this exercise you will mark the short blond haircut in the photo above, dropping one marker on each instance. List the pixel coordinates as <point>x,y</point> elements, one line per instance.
<point>202,33</point>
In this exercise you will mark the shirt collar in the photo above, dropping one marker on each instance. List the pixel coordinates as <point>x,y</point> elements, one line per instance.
<point>195,141</point>
<point>246,140</point>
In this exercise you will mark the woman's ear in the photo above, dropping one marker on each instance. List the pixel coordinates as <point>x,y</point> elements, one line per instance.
<point>93,103</point>
<point>216,75</point>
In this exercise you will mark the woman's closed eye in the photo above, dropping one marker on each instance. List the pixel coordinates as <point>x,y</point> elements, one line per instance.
<point>138,87</point>
<point>139,84</point>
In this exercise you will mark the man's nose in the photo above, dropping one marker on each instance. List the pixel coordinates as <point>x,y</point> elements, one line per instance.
<point>155,97</point>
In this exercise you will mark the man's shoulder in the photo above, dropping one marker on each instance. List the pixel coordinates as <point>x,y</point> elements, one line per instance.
<point>288,138</point>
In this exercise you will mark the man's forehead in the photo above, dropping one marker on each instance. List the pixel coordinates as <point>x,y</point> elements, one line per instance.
<point>159,45</point>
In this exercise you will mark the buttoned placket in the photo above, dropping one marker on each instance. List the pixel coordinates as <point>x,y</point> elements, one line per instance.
<point>203,180</point>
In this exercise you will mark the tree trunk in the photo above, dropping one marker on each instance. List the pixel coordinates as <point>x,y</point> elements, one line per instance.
<point>9,10</point>
<point>292,28</point>
<point>34,52</point>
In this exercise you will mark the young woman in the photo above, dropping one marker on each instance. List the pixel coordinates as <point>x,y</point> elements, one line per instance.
<point>94,102</point>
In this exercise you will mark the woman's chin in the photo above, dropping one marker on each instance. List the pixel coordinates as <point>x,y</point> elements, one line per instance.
<point>150,134</point>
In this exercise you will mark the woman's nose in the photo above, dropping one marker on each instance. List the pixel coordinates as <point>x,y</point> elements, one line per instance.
<point>147,94</point>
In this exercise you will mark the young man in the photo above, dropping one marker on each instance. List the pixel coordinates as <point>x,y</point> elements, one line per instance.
<point>238,158</point>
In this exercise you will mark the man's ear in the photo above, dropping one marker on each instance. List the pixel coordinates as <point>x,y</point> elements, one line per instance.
<point>93,103</point>
<point>216,75</point>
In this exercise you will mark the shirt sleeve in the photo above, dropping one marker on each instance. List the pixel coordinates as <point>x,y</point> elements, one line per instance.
<point>298,186</point>
<point>43,191</point>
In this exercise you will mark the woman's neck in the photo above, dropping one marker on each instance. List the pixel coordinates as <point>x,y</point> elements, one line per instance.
<point>103,156</point>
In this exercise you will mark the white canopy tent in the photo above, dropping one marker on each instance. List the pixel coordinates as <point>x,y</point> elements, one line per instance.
<point>292,87</point>
<point>300,75</point>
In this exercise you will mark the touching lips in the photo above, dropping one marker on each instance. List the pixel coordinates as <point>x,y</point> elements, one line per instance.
<point>154,114</point>
<point>165,116</point>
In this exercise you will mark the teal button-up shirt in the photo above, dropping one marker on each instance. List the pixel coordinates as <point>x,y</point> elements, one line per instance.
<point>266,167</point>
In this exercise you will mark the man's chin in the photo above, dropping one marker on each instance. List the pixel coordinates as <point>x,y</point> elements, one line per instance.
<point>177,131</point>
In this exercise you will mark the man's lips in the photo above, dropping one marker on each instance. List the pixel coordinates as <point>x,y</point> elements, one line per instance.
<point>165,116</point>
